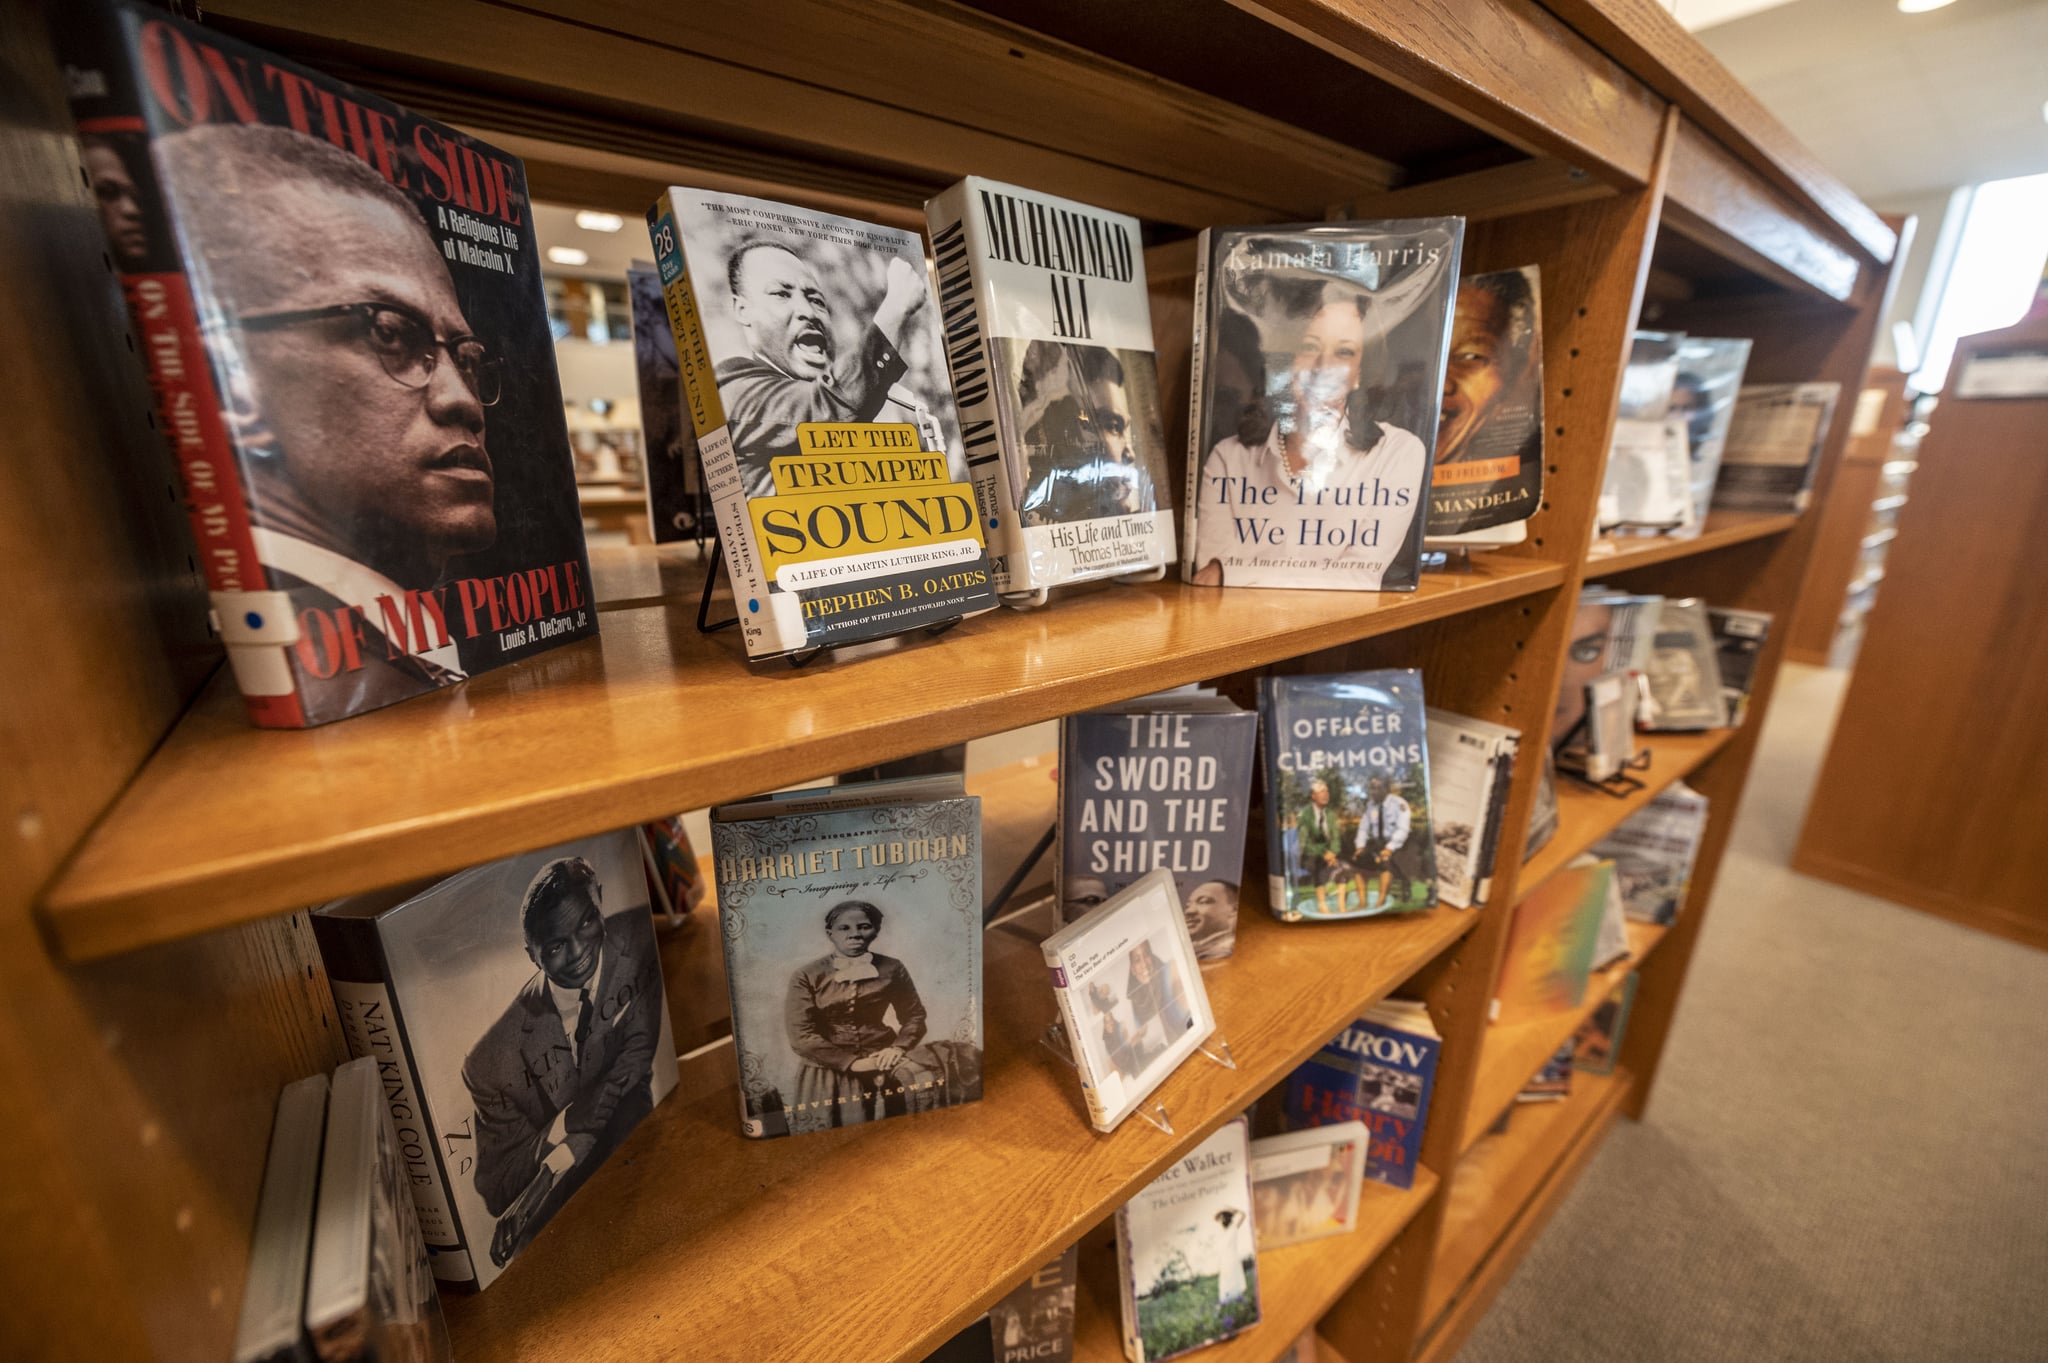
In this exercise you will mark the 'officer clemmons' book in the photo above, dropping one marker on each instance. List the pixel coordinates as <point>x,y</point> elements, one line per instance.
<point>1049,335</point>
<point>340,307</point>
<point>815,376</point>
<point>516,1014</point>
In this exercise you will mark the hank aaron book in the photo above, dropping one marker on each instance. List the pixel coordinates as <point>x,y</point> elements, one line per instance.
<point>340,308</point>
<point>1471,768</point>
<point>272,1324</point>
<point>516,1015</point>
<point>1049,337</point>
<point>675,477</point>
<point>1653,852</point>
<point>1380,1071</point>
<point>1318,374</point>
<point>1774,446</point>
<point>370,1292</point>
<point>1348,813</point>
<point>852,926</point>
<point>1305,1184</point>
<point>1739,638</point>
<point>1162,781</point>
<point>1190,1273</point>
<point>1130,995</point>
<point>1488,474</point>
<point>1551,941</point>
<point>814,374</point>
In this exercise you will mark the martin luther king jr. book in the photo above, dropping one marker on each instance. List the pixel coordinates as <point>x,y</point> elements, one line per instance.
<point>340,309</point>
<point>1049,336</point>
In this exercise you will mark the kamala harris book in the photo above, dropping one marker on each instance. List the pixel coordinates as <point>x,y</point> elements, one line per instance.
<point>340,308</point>
<point>852,926</point>
<point>1348,831</point>
<point>814,375</point>
<point>1190,1272</point>
<point>1049,336</point>
<point>516,1015</point>
<point>1318,376</point>
<point>1379,1071</point>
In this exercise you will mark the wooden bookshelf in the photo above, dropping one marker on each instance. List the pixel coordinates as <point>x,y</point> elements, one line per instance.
<point>1296,1284</point>
<point>1619,553</point>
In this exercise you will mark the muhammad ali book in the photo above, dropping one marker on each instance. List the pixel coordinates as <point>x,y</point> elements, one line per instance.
<point>1186,1249</point>
<point>1318,376</point>
<point>1380,1071</point>
<point>1161,781</point>
<point>340,308</point>
<point>1049,337</point>
<point>1348,829</point>
<point>1488,474</point>
<point>814,375</point>
<point>516,1014</point>
<point>852,926</point>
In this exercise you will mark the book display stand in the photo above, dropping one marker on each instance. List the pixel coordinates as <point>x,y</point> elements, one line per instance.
<point>1056,1040</point>
<point>159,983</point>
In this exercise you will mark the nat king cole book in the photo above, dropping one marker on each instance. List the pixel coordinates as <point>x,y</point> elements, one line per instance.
<point>1161,781</point>
<point>272,1325</point>
<point>814,374</point>
<point>1348,825</point>
<point>1488,475</point>
<point>516,1014</point>
<point>1185,1245</point>
<point>340,307</point>
<point>1380,1071</point>
<point>852,925</point>
<point>1049,336</point>
<point>1318,376</point>
<point>370,1294</point>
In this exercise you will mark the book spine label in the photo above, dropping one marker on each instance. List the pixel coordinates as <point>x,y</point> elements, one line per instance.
<point>1197,366</point>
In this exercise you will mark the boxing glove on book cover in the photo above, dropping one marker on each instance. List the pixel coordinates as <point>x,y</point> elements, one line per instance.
<point>1049,335</point>
<point>517,1017</point>
<point>339,303</point>
<point>814,374</point>
<point>1318,377</point>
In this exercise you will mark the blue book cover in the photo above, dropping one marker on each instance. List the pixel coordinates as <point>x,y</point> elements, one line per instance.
<point>1376,1074</point>
<point>1348,831</point>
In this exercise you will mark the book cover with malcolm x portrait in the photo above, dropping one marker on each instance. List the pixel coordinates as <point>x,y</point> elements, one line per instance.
<point>815,377</point>
<point>852,925</point>
<point>1318,376</point>
<point>341,313</point>
<point>1049,335</point>
<point>517,1016</point>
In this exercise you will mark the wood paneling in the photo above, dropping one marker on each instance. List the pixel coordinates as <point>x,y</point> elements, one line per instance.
<point>1714,200</point>
<point>1845,520</point>
<point>1619,553</point>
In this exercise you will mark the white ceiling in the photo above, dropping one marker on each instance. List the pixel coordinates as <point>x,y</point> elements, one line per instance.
<point>1894,103</point>
<point>610,252</point>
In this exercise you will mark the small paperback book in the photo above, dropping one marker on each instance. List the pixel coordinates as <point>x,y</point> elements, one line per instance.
<point>1739,638</point>
<point>339,302</point>
<point>1682,676</point>
<point>1488,474</point>
<point>519,1024</point>
<point>675,478</point>
<point>1348,831</point>
<point>1185,1244</point>
<point>1380,1071</point>
<point>1551,941</point>
<point>1034,1324</point>
<point>1049,335</point>
<point>370,1293</point>
<point>1552,1083</point>
<point>1703,397</point>
<point>1162,781</point>
<point>1471,766</point>
<point>272,1326</point>
<point>1599,1041</point>
<point>852,924</point>
<point>1653,852</point>
<point>1305,1183</point>
<point>1130,995</point>
<point>1319,356</point>
<point>1774,446</point>
<point>814,374</point>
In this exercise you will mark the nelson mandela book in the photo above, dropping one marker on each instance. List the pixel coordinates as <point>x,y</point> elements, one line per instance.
<point>1318,378</point>
<point>852,924</point>
<point>1049,335</point>
<point>814,374</point>
<point>340,308</point>
<point>1348,830</point>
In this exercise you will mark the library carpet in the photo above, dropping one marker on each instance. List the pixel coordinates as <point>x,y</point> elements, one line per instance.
<point>1846,1156</point>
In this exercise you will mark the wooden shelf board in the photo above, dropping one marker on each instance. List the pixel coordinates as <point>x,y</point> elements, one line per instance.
<point>227,823</point>
<point>693,1238</point>
<point>1510,1055</point>
<point>1297,1284</point>
<point>1586,816</point>
<point>1498,1179</point>
<point>1612,554</point>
